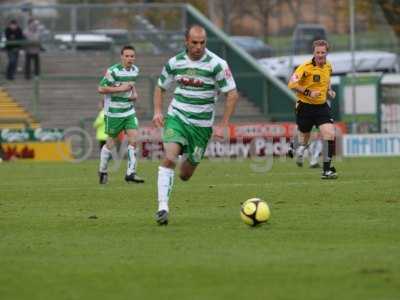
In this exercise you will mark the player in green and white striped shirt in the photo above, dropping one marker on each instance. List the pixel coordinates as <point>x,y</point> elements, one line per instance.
<point>199,75</point>
<point>118,88</point>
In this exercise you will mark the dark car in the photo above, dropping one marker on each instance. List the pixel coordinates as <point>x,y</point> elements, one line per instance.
<point>253,45</point>
<point>304,35</point>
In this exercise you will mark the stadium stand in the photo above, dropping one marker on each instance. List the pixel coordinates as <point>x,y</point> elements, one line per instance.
<point>13,115</point>
<point>66,99</point>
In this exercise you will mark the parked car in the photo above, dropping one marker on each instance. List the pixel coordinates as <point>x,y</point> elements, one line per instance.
<point>84,41</point>
<point>253,45</point>
<point>305,34</point>
<point>119,35</point>
<point>365,61</point>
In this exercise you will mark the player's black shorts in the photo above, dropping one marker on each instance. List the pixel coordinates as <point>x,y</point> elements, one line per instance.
<point>308,115</point>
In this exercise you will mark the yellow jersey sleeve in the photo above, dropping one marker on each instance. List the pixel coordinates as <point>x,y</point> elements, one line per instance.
<point>296,76</point>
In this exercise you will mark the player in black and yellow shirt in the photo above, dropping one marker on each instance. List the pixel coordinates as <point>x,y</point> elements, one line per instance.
<point>311,82</point>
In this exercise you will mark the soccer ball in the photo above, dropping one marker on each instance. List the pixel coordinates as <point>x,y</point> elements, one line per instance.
<point>254,211</point>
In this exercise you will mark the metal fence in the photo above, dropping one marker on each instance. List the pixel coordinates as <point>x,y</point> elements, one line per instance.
<point>288,26</point>
<point>154,27</point>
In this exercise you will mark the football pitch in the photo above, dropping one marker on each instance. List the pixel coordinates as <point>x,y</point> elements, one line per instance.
<point>63,236</point>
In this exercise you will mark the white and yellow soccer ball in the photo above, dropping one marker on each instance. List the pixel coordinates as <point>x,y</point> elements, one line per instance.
<point>254,211</point>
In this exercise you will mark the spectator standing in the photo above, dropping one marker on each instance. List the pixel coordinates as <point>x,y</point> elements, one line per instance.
<point>14,38</point>
<point>32,49</point>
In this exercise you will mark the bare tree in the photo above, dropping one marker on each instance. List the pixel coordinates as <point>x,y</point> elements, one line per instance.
<point>294,9</point>
<point>264,11</point>
<point>261,10</point>
<point>391,10</point>
<point>221,10</point>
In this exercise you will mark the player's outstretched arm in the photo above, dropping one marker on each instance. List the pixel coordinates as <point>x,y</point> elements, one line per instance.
<point>158,118</point>
<point>230,105</point>
<point>232,98</point>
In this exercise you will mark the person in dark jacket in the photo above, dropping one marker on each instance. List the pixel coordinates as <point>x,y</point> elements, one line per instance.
<point>14,38</point>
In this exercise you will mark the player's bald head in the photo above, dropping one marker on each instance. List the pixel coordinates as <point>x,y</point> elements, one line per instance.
<point>195,31</point>
<point>195,41</point>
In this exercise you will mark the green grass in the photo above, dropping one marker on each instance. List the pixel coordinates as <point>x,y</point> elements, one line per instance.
<point>325,239</point>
